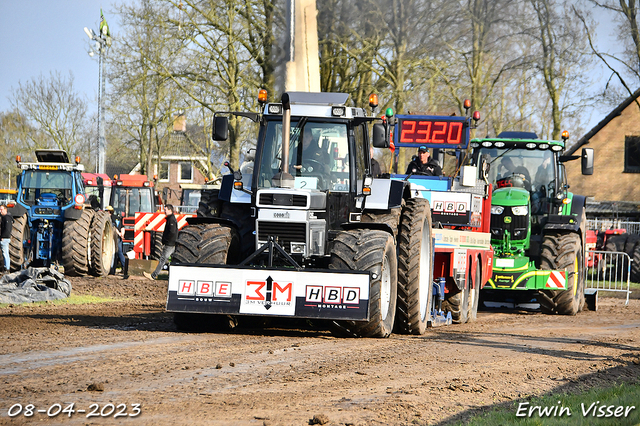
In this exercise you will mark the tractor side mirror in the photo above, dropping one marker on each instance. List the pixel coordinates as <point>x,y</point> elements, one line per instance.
<point>587,161</point>
<point>220,131</point>
<point>379,136</point>
<point>250,155</point>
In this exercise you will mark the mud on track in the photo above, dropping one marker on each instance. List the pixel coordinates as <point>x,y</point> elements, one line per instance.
<point>286,376</point>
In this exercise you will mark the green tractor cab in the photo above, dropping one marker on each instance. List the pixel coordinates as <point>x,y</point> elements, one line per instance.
<point>537,225</point>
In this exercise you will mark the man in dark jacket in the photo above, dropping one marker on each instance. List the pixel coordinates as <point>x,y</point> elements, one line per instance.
<point>422,164</point>
<point>6,225</point>
<point>116,221</point>
<point>169,238</point>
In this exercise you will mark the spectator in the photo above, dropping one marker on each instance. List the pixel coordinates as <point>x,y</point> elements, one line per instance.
<point>6,226</point>
<point>169,238</point>
<point>119,232</point>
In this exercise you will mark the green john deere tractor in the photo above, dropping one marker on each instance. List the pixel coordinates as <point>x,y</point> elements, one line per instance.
<point>537,225</point>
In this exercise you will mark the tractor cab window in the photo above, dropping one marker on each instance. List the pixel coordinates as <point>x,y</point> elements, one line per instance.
<point>318,155</point>
<point>38,185</point>
<point>132,200</point>
<point>190,200</point>
<point>530,169</point>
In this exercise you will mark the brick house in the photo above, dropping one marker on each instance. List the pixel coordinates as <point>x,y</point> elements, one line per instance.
<point>614,187</point>
<point>179,164</point>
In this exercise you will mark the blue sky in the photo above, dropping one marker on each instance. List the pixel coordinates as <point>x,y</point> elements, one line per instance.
<point>40,36</point>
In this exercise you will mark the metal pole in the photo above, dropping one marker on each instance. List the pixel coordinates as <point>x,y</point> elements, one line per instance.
<point>101,136</point>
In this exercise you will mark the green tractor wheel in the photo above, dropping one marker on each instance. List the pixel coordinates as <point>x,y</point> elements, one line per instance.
<point>563,252</point>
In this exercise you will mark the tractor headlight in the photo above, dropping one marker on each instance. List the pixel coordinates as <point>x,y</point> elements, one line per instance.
<point>316,243</point>
<point>520,210</point>
<point>497,209</point>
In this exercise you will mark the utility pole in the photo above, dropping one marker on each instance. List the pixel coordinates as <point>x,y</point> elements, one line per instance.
<point>303,66</point>
<point>103,41</point>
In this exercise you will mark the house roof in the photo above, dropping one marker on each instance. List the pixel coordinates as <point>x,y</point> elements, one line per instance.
<point>179,148</point>
<point>613,114</point>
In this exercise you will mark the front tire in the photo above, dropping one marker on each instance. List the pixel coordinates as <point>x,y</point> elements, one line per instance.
<point>373,251</point>
<point>564,252</point>
<point>102,245</point>
<point>75,245</point>
<point>458,304</point>
<point>415,267</point>
<point>20,245</point>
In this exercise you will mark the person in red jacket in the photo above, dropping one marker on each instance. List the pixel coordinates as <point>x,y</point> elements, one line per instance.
<point>169,238</point>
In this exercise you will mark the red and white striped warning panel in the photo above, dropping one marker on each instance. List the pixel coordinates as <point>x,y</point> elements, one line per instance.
<point>153,222</point>
<point>556,280</point>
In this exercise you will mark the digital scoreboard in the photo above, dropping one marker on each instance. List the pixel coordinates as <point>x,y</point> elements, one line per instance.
<point>432,132</point>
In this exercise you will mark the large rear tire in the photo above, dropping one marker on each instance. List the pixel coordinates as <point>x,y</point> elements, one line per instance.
<point>391,218</point>
<point>415,267</point>
<point>156,246</point>
<point>212,244</point>
<point>373,251</point>
<point>75,244</point>
<point>20,245</point>
<point>240,215</point>
<point>102,245</point>
<point>635,265</point>
<point>563,252</point>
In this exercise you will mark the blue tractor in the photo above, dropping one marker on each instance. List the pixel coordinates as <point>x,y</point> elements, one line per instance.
<point>52,226</point>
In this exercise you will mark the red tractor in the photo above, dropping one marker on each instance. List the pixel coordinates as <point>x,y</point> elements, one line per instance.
<point>133,194</point>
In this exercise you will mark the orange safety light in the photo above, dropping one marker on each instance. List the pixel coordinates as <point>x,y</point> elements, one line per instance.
<point>262,96</point>
<point>18,159</point>
<point>77,159</point>
<point>373,100</point>
<point>565,134</point>
<point>476,115</point>
<point>467,104</point>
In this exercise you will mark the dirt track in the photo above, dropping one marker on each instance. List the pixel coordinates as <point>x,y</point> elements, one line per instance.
<point>129,353</point>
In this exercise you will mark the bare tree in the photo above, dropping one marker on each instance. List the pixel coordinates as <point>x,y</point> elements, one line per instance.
<point>624,67</point>
<point>142,102</point>
<point>56,113</point>
<point>226,55</point>
<point>561,60</point>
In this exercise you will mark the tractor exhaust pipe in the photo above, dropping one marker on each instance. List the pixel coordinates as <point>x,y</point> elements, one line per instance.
<point>283,179</point>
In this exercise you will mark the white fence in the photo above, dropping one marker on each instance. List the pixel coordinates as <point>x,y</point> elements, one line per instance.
<point>604,224</point>
<point>611,271</point>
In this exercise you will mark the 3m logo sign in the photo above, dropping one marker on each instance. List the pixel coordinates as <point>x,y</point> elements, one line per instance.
<point>204,288</point>
<point>268,292</point>
<point>332,295</point>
